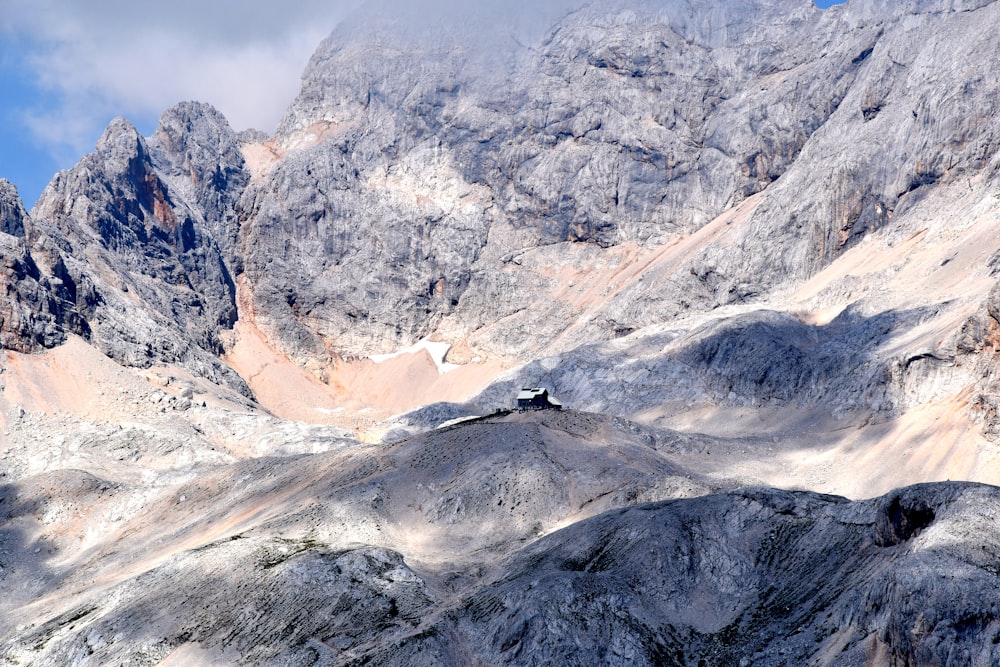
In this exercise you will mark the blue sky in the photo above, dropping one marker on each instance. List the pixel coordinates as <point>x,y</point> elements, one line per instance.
<point>24,158</point>
<point>67,67</point>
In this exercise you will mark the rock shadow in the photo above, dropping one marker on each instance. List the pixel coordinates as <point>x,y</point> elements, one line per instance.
<point>758,359</point>
<point>24,572</point>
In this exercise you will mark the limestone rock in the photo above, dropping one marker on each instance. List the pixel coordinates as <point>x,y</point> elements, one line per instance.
<point>751,576</point>
<point>165,288</point>
<point>12,213</point>
<point>412,168</point>
<point>37,308</point>
<point>36,311</point>
<point>755,577</point>
<point>663,211</point>
<point>197,152</point>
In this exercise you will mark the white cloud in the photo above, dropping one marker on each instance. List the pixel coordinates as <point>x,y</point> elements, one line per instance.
<point>102,58</point>
<point>96,59</point>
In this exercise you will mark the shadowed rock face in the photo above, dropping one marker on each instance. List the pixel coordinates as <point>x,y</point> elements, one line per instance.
<point>36,311</point>
<point>12,213</point>
<point>901,519</point>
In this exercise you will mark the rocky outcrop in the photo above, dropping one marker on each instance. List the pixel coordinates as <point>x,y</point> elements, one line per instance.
<point>165,287</point>
<point>755,577</point>
<point>196,151</point>
<point>12,213</point>
<point>37,308</point>
<point>595,134</point>
<point>36,311</point>
<point>333,537</point>
<point>758,220</point>
<point>757,359</point>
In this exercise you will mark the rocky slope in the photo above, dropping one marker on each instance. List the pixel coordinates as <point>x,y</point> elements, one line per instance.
<point>766,578</point>
<point>750,244</point>
<point>428,552</point>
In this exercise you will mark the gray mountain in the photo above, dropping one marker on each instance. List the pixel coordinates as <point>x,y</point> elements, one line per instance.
<point>12,213</point>
<point>624,124</point>
<point>164,289</point>
<point>755,241</point>
<point>466,182</point>
<point>428,552</point>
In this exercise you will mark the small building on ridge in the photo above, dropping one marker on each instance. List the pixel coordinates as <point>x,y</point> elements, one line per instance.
<point>537,398</point>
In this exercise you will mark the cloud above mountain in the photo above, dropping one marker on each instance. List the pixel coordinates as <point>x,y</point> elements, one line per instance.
<point>68,67</point>
<point>116,57</point>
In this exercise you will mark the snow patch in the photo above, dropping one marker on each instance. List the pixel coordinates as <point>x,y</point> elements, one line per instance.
<point>436,349</point>
<point>457,420</point>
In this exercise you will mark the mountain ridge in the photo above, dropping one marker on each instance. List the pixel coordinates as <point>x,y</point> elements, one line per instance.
<point>751,247</point>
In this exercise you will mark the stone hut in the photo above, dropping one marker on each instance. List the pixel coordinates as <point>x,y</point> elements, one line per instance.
<point>537,398</point>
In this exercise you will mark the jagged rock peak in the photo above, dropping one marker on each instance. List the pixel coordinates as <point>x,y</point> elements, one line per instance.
<point>122,150</point>
<point>147,229</point>
<point>195,127</point>
<point>196,150</point>
<point>120,132</point>
<point>252,136</point>
<point>12,213</point>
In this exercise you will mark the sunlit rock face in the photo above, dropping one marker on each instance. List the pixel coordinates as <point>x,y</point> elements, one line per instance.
<point>524,182</point>
<point>256,392</point>
<point>619,124</point>
<point>422,186</point>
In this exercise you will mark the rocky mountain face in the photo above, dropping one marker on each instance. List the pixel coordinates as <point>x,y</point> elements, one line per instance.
<point>691,159</point>
<point>37,311</point>
<point>748,244</point>
<point>445,549</point>
<point>624,125</point>
<point>638,165</point>
<point>143,265</point>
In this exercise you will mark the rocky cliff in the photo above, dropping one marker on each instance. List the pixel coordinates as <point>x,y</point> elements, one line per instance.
<point>624,124</point>
<point>519,193</point>
<point>750,244</point>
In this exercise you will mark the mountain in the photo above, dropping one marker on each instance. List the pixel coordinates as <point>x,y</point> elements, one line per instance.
<point>447,549</point>
<point>255,391</point>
